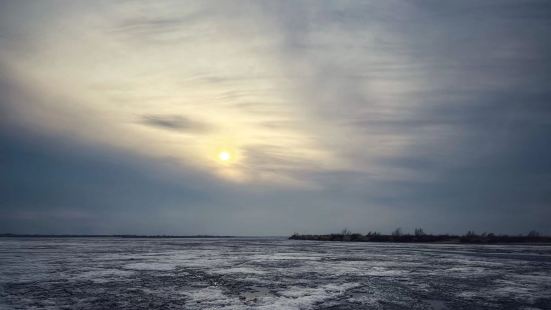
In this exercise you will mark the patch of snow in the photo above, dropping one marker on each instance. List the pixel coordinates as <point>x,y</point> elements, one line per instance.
<point>150,266</point>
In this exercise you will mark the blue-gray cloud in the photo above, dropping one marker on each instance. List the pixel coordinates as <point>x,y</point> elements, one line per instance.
<point>439,111</point>
<point>175,123</point>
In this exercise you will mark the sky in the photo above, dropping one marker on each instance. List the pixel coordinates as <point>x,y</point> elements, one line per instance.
<point>274,117</point>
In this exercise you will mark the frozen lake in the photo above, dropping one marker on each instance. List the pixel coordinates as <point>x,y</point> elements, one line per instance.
<point>261,273</point>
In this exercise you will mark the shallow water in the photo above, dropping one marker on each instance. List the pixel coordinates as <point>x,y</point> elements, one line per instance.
<point>263,273</point>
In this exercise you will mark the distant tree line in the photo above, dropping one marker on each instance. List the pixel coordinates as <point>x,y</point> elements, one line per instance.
<point>420,236</point>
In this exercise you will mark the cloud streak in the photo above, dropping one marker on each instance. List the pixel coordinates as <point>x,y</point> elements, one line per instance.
<point>176,123</point>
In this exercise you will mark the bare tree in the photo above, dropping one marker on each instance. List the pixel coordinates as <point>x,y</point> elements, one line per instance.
<point>397,232</point>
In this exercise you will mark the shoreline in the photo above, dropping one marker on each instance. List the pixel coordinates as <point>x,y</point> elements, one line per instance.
<point>470,238</point>
<point>116,236</point>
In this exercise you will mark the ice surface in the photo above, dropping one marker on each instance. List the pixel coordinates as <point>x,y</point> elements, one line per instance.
<point>262,273</point>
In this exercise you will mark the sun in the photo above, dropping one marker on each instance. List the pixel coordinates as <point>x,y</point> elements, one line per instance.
<point>224,156</point>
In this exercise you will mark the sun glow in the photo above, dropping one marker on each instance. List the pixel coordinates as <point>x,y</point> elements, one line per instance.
<point>224,156</point>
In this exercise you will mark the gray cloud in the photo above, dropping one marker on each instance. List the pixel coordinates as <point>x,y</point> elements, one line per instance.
<point>176,123</point>
<point>439,111</point>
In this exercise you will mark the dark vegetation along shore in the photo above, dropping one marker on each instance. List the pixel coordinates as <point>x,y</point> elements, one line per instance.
<point>419,235</point>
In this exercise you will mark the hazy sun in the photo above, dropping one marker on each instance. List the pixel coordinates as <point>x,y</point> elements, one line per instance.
<point>224,156</point>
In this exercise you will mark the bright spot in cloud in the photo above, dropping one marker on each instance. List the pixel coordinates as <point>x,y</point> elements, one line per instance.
<point>224,156</point>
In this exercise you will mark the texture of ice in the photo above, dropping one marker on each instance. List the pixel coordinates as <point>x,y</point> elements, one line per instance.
<point>150,266</point>
<point>269,273</point>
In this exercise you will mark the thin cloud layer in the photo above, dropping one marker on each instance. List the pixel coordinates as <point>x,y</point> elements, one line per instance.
<point>369,115</point>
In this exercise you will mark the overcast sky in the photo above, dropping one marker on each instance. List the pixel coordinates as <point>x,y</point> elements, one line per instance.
<point>366,115</point>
